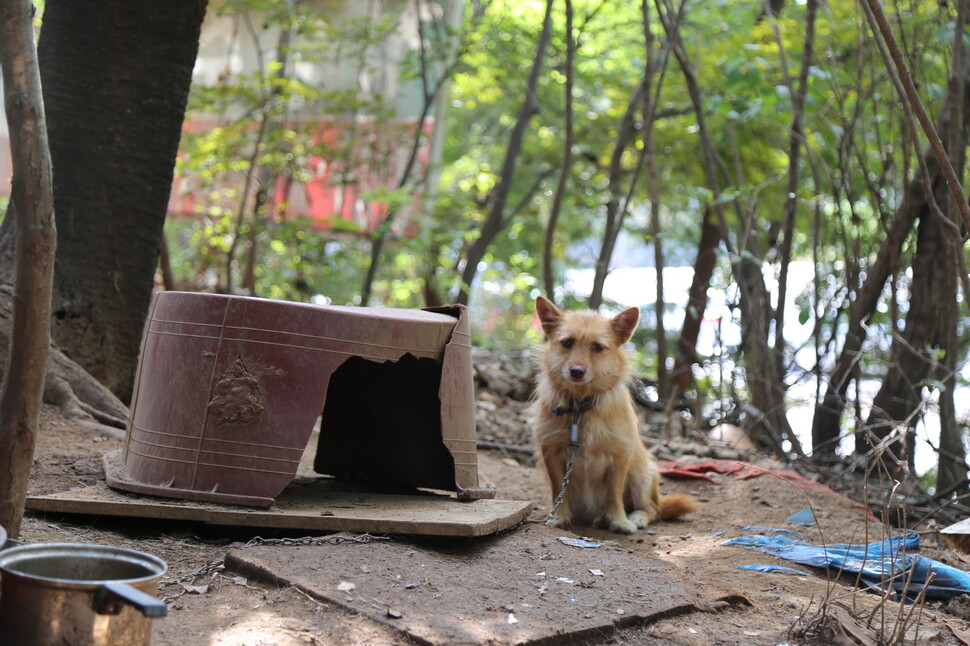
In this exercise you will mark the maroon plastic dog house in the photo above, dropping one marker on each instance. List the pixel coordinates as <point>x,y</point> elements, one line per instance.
<point>229,389</point>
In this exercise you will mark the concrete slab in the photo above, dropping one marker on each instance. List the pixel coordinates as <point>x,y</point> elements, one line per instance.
<point>519,587</point>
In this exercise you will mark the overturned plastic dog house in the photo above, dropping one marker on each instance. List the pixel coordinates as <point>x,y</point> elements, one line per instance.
<point>229,389</point>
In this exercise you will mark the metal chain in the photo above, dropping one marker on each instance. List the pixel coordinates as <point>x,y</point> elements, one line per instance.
<point>219,564</point>
<point>571,450</point>
<point>214,566</point>
<point>335,539</point>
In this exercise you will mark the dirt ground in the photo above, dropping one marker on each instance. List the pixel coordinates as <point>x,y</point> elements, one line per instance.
<point>209,605</point>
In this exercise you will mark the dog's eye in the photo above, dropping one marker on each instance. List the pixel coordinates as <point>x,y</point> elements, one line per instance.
<point>567,343</point>
<point>597,347</point>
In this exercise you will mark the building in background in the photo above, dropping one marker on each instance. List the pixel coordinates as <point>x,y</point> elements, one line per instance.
<point>354,154</point>
<point>365,113</point>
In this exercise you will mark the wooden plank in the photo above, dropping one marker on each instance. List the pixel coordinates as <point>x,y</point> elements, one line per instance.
<point>317,506</point>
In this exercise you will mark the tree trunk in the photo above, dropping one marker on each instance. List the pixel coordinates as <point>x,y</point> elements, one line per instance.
<point>898,402</point>
<point>686,353</point>
<point>952,470</point>
<point>932,295</point>
<point>713,224</point>
<point>116,78</point>
<point>262,177</point>
<point>32,205</point>
<point>826,422</point>
<point>766,386</point>
<point>951,475</point>
<point>765,383</point>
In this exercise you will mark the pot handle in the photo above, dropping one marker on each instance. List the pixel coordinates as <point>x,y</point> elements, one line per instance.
<point>112,597</point>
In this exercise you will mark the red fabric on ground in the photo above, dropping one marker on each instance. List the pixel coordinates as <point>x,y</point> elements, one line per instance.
<point>736,469</point>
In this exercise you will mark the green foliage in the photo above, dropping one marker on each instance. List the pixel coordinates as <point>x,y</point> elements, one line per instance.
<point>271,122</point>
<point>858,156</point>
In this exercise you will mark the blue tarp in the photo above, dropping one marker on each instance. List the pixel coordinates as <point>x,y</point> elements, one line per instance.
<point>781,569</point>
<point>879,563</point>
<point>803,518</point>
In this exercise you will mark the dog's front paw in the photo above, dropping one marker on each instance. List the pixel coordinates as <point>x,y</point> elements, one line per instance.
<point>639,518</point>
<point>621,526</point>
<point>557,520</point>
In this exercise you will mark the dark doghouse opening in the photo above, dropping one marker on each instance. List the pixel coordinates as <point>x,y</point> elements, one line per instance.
<point>381,425</point>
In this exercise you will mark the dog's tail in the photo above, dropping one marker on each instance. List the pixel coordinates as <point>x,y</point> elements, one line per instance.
<point>675,505</point>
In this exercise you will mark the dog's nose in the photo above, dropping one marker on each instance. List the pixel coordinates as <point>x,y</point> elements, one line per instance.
<point>577,372</point>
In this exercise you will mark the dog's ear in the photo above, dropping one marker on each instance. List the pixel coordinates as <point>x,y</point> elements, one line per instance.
<point>549,315</point>
<point>625,323</point>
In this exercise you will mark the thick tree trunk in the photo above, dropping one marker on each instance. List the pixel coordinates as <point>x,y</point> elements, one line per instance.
<point>952,471</point>
<point>933,289</point>
<point>826,423</point>
<point>897,404</point>
<point>116,77</point>
<point>33,210</point>
<point>951,474</point>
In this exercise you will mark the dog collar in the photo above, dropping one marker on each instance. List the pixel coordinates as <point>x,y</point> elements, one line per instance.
<point>576,407</point>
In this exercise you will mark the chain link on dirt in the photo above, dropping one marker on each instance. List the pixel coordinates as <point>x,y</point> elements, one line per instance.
<point>214,568</point>
<point>335,539</point>
<point>571,451</point>
<point>205,570</point>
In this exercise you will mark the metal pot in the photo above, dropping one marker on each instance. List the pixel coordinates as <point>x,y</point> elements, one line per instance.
<point>78,595</point>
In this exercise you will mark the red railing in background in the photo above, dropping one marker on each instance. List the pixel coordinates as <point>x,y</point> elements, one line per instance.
<point>339,181</point>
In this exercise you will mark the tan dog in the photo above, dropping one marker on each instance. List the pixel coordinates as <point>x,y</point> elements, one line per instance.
<point>583,379</point>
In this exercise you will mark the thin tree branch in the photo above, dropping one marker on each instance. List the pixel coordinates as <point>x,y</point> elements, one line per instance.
<point>912,97</point>
<point>567,159</point>
<point>495,219</point>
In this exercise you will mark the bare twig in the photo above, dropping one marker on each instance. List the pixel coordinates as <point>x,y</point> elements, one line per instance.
<point>912,97</point>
